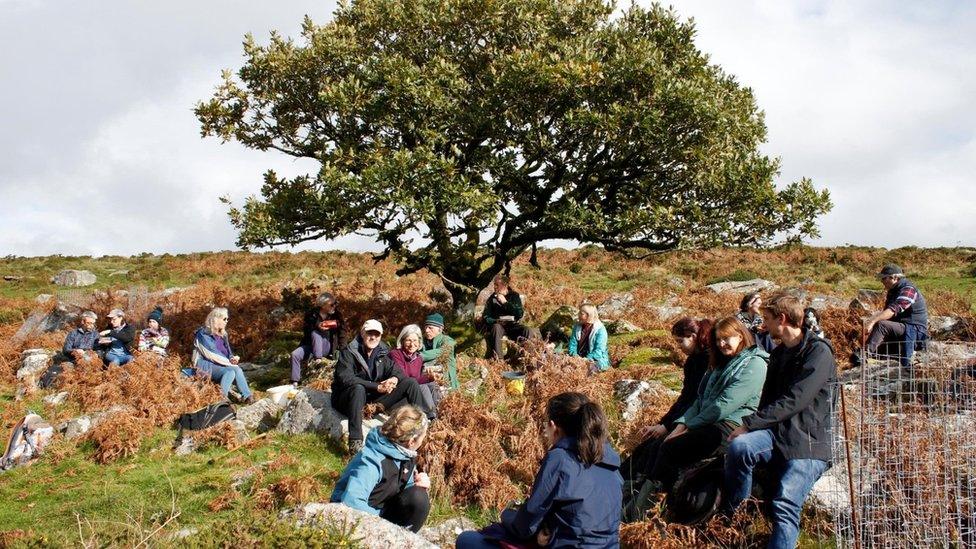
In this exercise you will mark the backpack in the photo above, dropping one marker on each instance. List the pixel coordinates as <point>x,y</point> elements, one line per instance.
<point>51,375</point>
<point>27,440</point>
<point>697,493</point>
<point>208,416</point>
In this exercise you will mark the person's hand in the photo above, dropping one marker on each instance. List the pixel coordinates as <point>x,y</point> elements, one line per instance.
<point>235,359</point>
<point>653,431</point>
<point>104,333</point>
<point>385,386</point>
<point>868,327</point>
<point>501,299</point>
<point>104,340</point>
<point>543,537</point>
<point>421,480</point>
<point>740,430</point>
<point>679,430</point>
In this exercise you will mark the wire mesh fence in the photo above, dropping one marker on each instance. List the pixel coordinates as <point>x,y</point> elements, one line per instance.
<point>906,449</point>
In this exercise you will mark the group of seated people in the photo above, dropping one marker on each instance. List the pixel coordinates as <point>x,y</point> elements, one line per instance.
<point>113,345</point>
<point>737,401</point>
<point>757,390</point>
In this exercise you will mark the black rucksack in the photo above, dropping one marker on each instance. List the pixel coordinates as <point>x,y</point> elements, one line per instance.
<point>697,493</point>
<point>207,416</point>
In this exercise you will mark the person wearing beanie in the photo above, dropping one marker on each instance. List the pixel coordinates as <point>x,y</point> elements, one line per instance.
<point>154,338</point>
<point>438,352</point>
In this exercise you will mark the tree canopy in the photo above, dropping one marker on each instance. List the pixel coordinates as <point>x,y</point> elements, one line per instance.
<point>460,133</point>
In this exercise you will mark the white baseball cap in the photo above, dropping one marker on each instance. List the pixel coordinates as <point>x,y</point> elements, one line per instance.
<point>372,325</point>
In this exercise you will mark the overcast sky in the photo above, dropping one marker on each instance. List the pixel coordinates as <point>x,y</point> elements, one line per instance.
<point>100,152</point>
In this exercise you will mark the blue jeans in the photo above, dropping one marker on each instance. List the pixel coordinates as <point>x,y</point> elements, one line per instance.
<point>226,376</point>
<point>474,540</point>
<point>796,478</point>
<point>117,356</point>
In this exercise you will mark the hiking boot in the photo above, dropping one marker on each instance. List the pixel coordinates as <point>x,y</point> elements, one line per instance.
<point>355,446</point>
<point>248,400</point>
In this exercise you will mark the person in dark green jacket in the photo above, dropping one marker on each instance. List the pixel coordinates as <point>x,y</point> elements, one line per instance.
<point>729,392</point>
<point>501,316</point>
<point>438,352</point>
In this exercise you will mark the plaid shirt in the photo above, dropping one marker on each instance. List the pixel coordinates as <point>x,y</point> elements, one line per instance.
<point>904,300</point>
<point>80,339</point>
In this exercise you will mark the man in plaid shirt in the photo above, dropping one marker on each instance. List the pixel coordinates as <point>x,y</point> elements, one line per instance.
<point>903,322</point>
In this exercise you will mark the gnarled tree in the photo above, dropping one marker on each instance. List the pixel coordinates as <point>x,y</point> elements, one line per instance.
<point>460,133</point>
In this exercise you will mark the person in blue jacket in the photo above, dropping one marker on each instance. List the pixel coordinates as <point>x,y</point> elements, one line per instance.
<point>382,479</point>
<point>589,339</point>
<point>213,358</point>
<point>576,497</point>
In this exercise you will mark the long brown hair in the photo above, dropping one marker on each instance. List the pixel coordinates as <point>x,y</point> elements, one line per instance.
<point>726,327</point>
<point>701,329</point>
<point>583,419</point>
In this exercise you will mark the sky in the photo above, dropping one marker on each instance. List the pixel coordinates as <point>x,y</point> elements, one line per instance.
<point>100,152</point>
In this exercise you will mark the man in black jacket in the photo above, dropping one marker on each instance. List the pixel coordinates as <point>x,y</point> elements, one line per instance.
<point>365,374</point>
<point>791,430</point>
<point>115,343</point>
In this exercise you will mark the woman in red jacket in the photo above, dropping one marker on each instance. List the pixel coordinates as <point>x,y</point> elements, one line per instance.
<point>407,357</point>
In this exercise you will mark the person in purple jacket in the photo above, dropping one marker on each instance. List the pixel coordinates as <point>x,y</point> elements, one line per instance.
<point>407,357</point>
<point>576,497</point>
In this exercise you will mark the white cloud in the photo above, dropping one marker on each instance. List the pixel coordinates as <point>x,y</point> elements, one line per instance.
<point>872,100</point>
<point>100,152</point>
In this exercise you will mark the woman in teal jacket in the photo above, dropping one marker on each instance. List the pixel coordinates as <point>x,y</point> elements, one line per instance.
<point>729,392</point>
<point>382,479</point>
<point>589,338</point>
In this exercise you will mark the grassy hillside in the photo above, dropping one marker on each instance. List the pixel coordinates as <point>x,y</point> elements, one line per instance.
<point>67,498</point>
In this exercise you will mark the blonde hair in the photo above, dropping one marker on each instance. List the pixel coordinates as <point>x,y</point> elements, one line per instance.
<point>405,424</point>
<point>591,312</point>
<point>410,329</point>
<point>215,313</point>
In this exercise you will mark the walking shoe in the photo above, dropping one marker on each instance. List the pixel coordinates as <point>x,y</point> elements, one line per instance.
<point>355,446</point>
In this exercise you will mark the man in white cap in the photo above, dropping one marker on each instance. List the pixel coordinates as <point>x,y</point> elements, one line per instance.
<point>903,322</point>
<point>115,343</point>
<point>365,374</point>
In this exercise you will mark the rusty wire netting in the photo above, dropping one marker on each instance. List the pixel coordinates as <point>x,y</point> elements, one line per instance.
<point>910,440</point>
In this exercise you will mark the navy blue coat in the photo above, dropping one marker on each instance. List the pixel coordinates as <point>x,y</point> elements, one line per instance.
<point>580,505</point>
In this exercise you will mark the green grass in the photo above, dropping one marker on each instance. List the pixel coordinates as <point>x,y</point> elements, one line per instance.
<point>148,485</point>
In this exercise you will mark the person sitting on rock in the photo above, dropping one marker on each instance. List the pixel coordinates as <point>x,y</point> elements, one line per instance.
<point>575,499</point>
<point>213,358</point>
<point>438,349</point>
<point>729,391</point>
<point>322,334</point>
<point>588,339</point>
<point>750,316</point>
<point>408,359</point>
<point>694,338</point>
<point>115,343</point>
<point>501,316</point>
<point>80,343</point>
<point>903,322</point>
<point>365,374</point>
<point>791,430</point>
<point>382,479</point>
<point>154,338</point>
